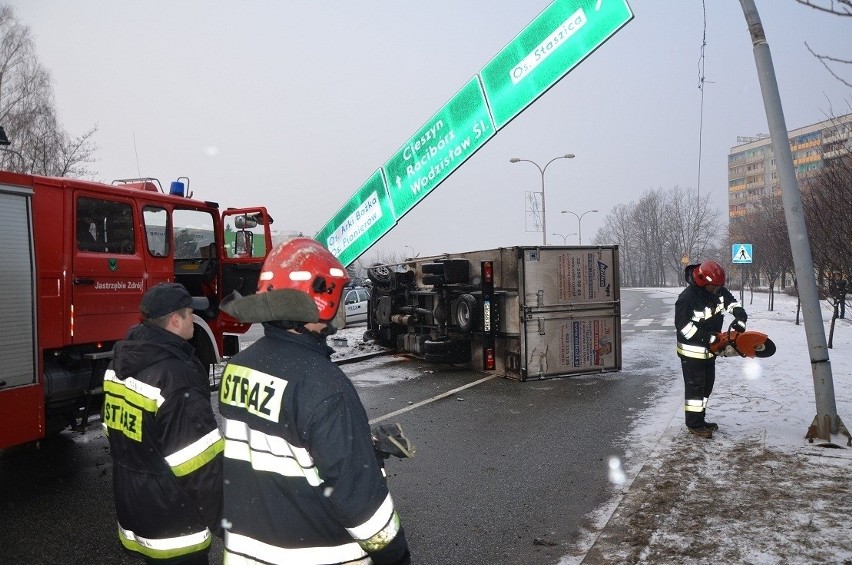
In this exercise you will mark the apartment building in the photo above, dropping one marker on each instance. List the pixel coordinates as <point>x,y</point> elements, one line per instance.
<point>751,163</point>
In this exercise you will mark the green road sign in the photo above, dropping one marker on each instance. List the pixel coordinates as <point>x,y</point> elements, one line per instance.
<point>461,127</point>
<point>360,222</point>
<point>564,34</point>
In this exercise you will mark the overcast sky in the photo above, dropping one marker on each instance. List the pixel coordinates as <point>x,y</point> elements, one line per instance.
<point>295,104</point>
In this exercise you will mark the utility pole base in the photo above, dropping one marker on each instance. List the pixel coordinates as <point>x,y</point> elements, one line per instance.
<point>823,427</point>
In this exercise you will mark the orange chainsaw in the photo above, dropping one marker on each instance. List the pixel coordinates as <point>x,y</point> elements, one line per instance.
<point>744,344</point>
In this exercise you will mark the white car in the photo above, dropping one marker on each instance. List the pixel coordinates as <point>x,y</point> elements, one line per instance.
<point>355,301</point>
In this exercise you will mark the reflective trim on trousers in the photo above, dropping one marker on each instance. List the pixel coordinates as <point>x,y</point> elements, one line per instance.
<point>243,550</point>
<point>694,405</point>
<point>165,548</point>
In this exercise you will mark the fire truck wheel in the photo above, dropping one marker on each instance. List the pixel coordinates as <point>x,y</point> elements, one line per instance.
<point>204,351</point>
<point>465,313</point>
<point>380,275</point>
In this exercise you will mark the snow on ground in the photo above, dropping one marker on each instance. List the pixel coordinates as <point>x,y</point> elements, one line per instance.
<point>349,342</point>
<point>757,492</point>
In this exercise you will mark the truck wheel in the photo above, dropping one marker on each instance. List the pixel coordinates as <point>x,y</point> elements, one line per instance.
<point>380,275</point>
<point>465,312</point>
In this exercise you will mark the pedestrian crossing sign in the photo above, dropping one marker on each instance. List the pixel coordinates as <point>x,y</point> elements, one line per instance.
<point>741,253</point>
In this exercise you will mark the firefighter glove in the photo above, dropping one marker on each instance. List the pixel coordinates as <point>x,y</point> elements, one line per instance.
<point>390,440</point>
<point>740,314</point>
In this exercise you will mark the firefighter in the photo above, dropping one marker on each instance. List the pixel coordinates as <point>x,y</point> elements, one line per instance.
<point>163,436</point>
<point>302,481</point>
<point>699,314</point>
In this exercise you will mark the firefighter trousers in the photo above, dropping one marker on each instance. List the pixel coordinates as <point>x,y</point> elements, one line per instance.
<point>699,375</point>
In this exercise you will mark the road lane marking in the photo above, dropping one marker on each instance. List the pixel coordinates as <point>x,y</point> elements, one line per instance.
<point>433,399</point>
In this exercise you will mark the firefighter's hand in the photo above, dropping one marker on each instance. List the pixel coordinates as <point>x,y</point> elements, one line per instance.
<point>740,318</point>
<point>714,343</point>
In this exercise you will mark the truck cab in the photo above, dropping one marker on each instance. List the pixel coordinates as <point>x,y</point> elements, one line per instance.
<point>84,254</point>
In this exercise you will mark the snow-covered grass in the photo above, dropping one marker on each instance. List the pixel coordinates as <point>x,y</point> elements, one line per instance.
<point>757,492</point>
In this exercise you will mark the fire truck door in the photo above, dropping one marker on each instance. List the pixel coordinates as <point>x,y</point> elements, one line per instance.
<point>107,280</point>
<point>247,240</point>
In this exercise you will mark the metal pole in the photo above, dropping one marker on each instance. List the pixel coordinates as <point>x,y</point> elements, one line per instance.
<point>579,223</point>
<point>827,420</point>
<point>543,207</point>
<point>580,230</point>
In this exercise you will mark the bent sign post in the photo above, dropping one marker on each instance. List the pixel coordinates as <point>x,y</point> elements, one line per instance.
<point>561,37</point>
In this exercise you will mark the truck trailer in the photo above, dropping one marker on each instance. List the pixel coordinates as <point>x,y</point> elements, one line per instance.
<point>524,312</point>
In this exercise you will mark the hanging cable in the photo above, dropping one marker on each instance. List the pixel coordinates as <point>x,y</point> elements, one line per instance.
<point>701,88</point>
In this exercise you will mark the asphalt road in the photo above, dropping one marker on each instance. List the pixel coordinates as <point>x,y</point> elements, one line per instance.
<point>505,472</point>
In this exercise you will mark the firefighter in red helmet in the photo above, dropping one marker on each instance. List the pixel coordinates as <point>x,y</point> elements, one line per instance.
<point>699,314</point>
<point>302,481</point>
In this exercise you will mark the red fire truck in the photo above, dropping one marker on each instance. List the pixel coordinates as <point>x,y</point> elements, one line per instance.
<point>77,257</point>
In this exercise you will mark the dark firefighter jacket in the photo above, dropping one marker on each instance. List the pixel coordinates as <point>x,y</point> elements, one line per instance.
<point>699,315</point>
<point>165,444</point>
<point>302,482</point>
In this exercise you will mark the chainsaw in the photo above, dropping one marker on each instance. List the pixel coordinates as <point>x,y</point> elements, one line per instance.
<point>745,344</point>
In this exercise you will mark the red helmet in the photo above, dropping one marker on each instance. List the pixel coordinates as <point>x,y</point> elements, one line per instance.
<point>709,272</point>
<point>303,264</point>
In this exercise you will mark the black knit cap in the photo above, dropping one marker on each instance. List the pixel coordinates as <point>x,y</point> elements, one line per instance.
<point>166,298</point>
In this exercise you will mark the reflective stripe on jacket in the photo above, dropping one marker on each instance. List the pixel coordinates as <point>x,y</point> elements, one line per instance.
<point>165,445</point>
<point>699,315</point>
<point>298,447</point>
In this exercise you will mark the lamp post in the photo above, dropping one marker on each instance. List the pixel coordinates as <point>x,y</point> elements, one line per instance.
<point>564,237</point>
<point>541,170</point>
<point>579,222</point>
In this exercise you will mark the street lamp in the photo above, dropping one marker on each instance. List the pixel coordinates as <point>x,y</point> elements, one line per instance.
<point>541,170</point>
<point>579,220</point>
<point>564,237</point>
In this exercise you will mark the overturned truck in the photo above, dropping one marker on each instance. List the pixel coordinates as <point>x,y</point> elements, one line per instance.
<point>524,312</point>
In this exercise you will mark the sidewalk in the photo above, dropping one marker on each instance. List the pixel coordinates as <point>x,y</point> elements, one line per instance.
<point>755,493</point>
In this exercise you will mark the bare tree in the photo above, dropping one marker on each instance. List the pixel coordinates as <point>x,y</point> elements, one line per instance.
<point>766,229</point>
<point>616,231</point>
<point>827,202</point>
<point>655,233</point>
<point>837,8</point>
<point>27,112</point>
<point>691,230</point>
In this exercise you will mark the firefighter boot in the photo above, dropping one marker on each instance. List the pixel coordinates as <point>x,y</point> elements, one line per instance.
<point>712,426</point>
<point>703,431</point>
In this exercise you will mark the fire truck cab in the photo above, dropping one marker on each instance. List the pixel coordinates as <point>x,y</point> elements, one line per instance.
<point>77,258</point>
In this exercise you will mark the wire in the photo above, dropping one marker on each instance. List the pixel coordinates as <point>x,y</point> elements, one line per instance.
<point>701,88</point>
